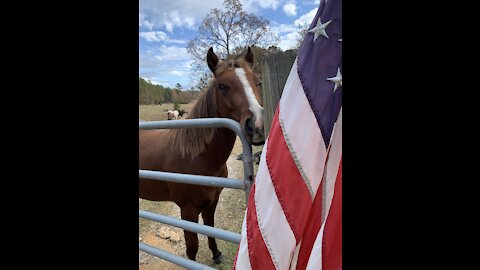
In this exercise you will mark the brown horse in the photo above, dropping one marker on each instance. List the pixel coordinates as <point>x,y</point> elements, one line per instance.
<point>232,93</point>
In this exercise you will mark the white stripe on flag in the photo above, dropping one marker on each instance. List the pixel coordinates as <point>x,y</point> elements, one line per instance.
<point>301,126</point>
<point>280,241</point>
<point>243,261</point>
<point>315,260</point>
<point>293,265</point>
<point>333,163</point>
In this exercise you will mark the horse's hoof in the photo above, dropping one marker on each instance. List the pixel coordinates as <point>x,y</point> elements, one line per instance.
<point>218,258</point>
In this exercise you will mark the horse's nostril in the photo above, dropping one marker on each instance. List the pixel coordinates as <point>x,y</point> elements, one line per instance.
<point>249,126</point>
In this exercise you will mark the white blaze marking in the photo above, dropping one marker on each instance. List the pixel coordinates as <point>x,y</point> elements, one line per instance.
<point>253,104</point>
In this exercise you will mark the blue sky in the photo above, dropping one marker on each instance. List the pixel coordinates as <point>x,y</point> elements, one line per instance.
<point>165,26</point>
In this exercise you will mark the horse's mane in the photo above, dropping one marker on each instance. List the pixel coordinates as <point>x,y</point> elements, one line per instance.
<point>192,141</point>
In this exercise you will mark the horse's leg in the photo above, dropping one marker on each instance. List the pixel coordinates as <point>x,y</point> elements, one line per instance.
<point>208,215</point>
<point>190,213</point>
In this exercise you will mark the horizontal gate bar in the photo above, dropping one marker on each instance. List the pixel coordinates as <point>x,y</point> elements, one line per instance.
<point>193,179</point>
<point>189,264</point>
<point>194,123</point>
<point>193,227</point>
<point>213,123</point>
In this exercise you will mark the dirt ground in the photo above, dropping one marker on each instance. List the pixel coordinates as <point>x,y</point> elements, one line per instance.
<point>228,216</point>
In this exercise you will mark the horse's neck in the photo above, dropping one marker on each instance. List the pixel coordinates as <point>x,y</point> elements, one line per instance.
<point>217,149</point>
<point>221,146</point>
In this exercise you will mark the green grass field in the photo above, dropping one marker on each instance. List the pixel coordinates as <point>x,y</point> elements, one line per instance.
<point>159,112</point>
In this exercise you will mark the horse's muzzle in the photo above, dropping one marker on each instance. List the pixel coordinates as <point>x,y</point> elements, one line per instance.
<point>254,131</point>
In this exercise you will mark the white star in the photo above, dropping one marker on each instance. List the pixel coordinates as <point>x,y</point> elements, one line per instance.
<point>337,80</point>
<point>319,29</point>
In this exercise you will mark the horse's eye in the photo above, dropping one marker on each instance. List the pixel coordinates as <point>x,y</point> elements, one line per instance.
<point>259,83</point>
<point>222,86</point>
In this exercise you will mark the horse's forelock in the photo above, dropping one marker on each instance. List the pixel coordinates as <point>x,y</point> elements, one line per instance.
<point>231,65</point>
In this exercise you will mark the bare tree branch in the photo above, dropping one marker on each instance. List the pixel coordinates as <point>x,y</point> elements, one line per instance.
<point>226,31</point>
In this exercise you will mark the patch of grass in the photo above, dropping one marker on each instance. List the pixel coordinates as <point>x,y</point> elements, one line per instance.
<point>155,207</point>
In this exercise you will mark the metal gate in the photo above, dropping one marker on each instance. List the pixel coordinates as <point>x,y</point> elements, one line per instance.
<point>244,184</point>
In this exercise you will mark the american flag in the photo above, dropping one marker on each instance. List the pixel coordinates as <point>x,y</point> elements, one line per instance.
<point>294,212</point>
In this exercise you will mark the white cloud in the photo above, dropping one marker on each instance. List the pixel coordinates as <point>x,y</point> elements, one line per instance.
<point>166,65</point>
<point>157,36</point>
<point>147,60</point>
<point>187,64</point>
<point>169,14</point>
<point>149,78</point>
<point>159,81</point>
<point>281,29</point>
<point>154,36</point>
<point>288,41</point>
<point>287,33</point>
<point>177,73</point>
<point>255,5</point>
<point>269,3</point>
<point>290,9</point>
<point>314,2</point>
<point>173,18</point>
<point>143,22</point>
<point>167,53</point>
<point>164,59</point>
<point>306,18</point>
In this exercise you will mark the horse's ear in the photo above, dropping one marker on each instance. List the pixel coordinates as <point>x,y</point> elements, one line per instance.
<point>212,60</point>
<point>249,56</point>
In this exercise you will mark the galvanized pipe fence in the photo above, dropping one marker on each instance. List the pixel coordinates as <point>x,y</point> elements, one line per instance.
<point>244,184</point>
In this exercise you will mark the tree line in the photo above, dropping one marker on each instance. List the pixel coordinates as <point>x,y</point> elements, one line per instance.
<point>157,94</point>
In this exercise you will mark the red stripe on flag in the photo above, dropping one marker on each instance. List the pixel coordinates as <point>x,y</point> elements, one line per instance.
<point>257,250</point>
<point>236,256</point>
<point>289,185</point>
<point>311,232</point>
<point>332,234</point>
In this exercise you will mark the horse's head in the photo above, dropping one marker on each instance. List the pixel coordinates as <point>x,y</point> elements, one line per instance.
<point>237,93</point>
